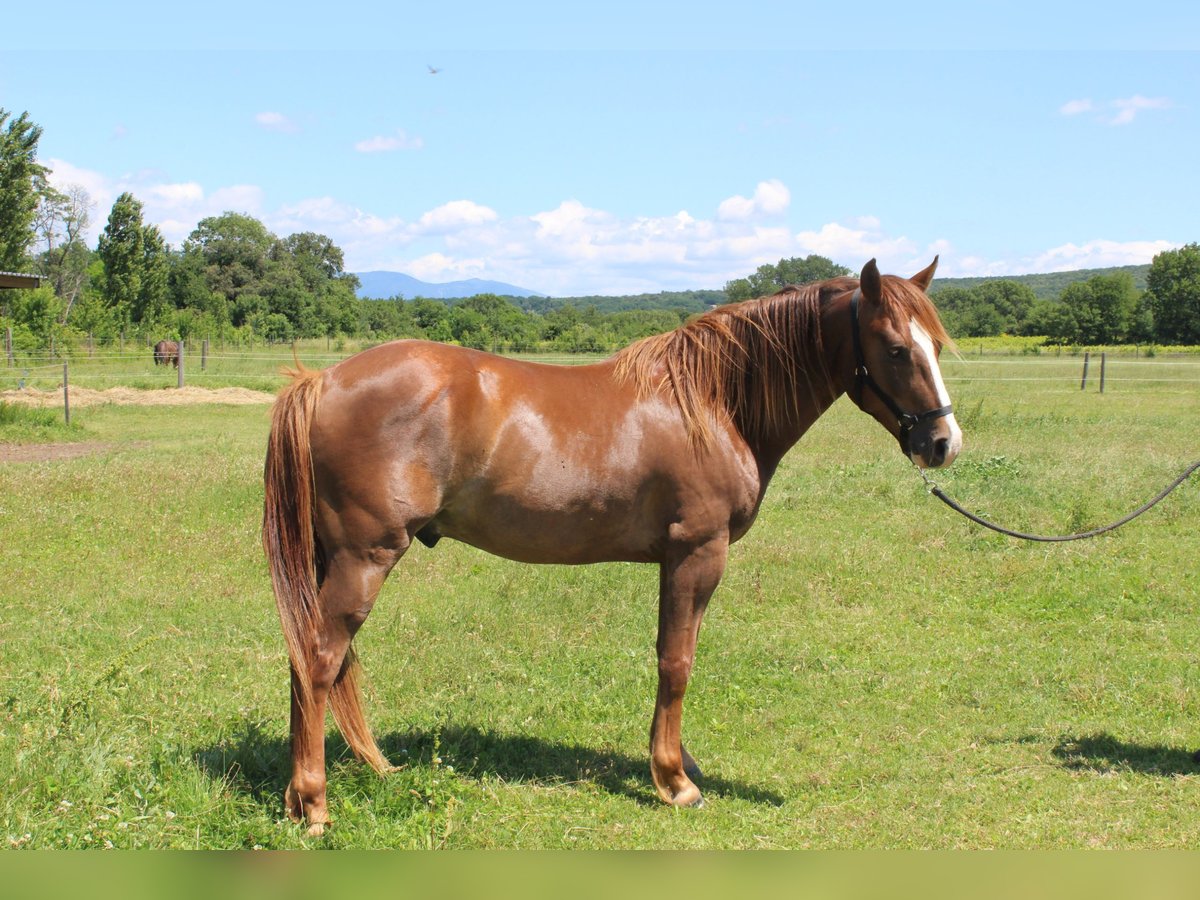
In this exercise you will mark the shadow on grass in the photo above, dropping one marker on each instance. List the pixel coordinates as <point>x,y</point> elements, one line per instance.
<point>1105,753</point>
<point>258,766</point>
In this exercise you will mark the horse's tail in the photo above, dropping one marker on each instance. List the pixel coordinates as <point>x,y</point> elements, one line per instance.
<point>288,535</point>
<point>294,555</point>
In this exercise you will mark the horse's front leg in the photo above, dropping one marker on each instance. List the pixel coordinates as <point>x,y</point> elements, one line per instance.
<point>686,582</point>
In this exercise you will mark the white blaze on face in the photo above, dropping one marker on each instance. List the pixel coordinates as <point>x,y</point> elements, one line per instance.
<point>924,343</point>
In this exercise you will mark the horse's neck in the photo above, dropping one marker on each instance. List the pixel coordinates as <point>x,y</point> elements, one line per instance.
<point>812,401</point>
<point>769,449</point>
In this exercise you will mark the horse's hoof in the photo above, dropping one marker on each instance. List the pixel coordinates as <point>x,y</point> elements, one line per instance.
<point>316,829</point>
<point>689,798</point>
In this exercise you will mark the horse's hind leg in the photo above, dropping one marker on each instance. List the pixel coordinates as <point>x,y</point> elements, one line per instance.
<point>348,591</point>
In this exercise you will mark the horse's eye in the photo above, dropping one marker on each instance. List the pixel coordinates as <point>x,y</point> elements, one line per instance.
<point>897,352</point>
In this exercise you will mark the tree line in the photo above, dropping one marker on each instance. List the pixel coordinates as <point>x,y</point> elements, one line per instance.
<point>1103,309</point>
<point>235,281</point>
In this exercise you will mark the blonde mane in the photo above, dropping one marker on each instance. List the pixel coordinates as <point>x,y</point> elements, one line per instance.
<point>750,360</point>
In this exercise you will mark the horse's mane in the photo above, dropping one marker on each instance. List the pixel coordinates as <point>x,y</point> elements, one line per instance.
<point>749,360</point>
<point>745,359</point>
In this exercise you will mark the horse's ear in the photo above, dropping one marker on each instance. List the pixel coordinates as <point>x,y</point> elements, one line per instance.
<point>924,278</point>
<point>870,282</point>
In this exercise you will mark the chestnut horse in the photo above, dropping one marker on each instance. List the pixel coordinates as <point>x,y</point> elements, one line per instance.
<point>660,454</point>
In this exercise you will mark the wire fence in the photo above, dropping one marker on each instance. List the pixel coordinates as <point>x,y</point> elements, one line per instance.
<point>262,370</point>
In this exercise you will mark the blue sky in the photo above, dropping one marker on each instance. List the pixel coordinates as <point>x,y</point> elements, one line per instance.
<point>633,146</point>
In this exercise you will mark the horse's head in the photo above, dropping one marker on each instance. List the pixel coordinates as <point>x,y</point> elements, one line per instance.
<point>896,338</point>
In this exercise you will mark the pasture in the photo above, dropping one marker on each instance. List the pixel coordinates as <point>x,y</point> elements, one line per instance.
<point>872,672</point>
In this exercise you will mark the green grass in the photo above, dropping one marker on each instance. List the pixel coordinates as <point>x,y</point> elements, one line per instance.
<point>873,671</point>
<point>27,425</point>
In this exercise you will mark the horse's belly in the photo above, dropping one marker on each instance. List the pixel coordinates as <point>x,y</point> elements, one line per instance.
<point>529,528</point>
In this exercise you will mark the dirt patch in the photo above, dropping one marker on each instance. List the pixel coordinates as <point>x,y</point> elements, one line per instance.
<point>49,452</point>
<point>185,396</point>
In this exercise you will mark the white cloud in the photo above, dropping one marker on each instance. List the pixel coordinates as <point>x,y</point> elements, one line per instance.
<point>1097,254</point>
<point>454,215</point>
<point>1075,107</point>
<point>438,267</point>
<point>177,194</point>
<point>275,121</point>
<point>1129,107</point>
<point>1126,108</point>
<point>1094,254</point>
<point>840,242</point>
<point>175,207</point>
<point>570,219</point>
<point>62,174</point>
<point>771,198</point>
<point>572,248</point>
<point>401,140</point>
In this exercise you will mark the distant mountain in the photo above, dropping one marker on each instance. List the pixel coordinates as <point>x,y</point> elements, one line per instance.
<point>1048,285</point>
<point>382,285</point>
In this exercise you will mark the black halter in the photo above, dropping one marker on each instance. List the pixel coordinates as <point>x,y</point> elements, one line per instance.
<point>862,378</point>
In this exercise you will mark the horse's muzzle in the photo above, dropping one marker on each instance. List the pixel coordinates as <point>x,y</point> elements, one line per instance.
<point>933,445</point>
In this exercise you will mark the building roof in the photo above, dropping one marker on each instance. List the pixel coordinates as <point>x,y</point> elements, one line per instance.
<point>17,280</point>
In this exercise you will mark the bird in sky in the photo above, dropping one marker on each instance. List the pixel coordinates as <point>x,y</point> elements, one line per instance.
<point>432,70</point>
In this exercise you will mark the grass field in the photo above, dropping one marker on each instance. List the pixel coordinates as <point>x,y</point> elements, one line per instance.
<point>873,671</point>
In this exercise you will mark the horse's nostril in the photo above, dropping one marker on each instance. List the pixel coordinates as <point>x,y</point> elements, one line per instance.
<point>941,449</point>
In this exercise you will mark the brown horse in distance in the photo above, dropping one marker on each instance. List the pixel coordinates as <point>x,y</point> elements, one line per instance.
<point>660,454</point>
<point>166,352</point>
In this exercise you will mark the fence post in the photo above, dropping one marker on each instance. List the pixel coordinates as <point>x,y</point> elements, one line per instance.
<point>179,367</point>
<point>66,396</point>
<point>1103,360</point>
<point>1083,382</point>
<point>8,345</point>
<point>204,355</point>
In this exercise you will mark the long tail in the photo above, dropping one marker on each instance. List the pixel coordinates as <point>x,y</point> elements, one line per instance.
<point>293,555</point>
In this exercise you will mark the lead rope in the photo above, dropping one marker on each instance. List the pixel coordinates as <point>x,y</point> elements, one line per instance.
<point>979,520</point>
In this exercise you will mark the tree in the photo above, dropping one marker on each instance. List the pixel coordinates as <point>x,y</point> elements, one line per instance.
<point>317,257</point>
<point>768,278</point>
<point>152,303</point>
<point>1011,301</point>
<point>1102,308</point>
<point>122,248</point>
<point>20,179</point>
<point>37,312</point>
<point>388,318</point>
<point>433,318</point>
<point>235,252</point>
<point>60,223</point>
<point>965,314</point>
<point>188,289</point>
<point>1173,285</point>
<point>1056,322</point>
